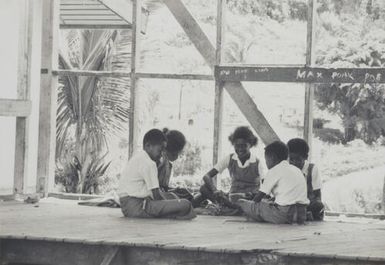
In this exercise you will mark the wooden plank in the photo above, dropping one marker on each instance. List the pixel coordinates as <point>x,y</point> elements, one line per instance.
<point>124,9</point>
<point>135,57</point>
<point>45,252</point>
<point>218,120</point>
<point>300,74</point>
<point>73,196</point>
<point>20,172</point>
<point>111,254</point>
<point>175,76</point>
<point>58,222</point>
<point>48,97</point>
<point>310,61</point>
<point>128,74</point>
<point>103,22</point>
<point>61,72</point>
<point>73,7</point>
<point>85,12</point>
<point>93,26</point>
<point>218,100</point>
<point>207,50</point>
<point>87,18</point>
<point>362,215</point>
<point>78,2</point>
<point>383,197</point>
<point>7,198</point>
<point>15,107</point>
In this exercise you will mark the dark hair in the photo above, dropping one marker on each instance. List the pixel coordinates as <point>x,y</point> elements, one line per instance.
<point>298,146</point>
<point>277,149</point>
<point>175,140</point>
<point>153,137</point>
<point>243,132</point>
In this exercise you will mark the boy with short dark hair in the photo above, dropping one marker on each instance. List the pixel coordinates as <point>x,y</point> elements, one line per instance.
<point>286,185</point>
<point>176,141</point>
<point>298,155</point>
<point>139,185</point>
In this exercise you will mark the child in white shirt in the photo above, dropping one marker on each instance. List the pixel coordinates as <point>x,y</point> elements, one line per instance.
<point>139,185</point>
<point>285,183</point>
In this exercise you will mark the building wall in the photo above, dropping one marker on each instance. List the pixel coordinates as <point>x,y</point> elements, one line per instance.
<point>10,15</point>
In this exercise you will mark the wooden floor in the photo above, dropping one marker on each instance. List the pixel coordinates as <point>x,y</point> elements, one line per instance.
<point>57,220</point>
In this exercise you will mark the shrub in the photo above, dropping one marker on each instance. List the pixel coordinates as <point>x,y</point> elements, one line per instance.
<point>329,135</point>
<point>189,162</point>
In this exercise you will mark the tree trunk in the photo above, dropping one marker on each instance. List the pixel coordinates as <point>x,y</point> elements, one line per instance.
<point>350,134</point>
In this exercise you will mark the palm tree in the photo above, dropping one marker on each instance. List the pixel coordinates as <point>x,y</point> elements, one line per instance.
<point>90,109</point>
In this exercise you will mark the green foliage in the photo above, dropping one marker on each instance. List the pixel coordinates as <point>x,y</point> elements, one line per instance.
<point>69,176</point>
<point>351,37</point>
<point>90,109</point>
<point>329,135</point>
<point>279,10</point>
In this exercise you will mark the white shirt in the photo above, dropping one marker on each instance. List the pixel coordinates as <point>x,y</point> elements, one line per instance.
<point>224,163</point>
<point>139,176</point>
<point>316,179</point>
<point>286,184</point>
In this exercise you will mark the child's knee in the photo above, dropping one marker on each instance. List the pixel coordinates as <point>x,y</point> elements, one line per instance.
<point>184,204</point>
<point>316,206</point>
<point>204,190</point>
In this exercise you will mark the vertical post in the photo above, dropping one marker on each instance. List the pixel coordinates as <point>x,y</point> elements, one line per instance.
<point>218,102</point>
<point>383,197</point>
<point>48,97</point>
<point>310,61</point>
<point>136,27</point>
<point>23,92</point>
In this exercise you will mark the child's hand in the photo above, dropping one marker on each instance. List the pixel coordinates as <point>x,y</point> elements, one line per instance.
<point>218,194</point>
<point>241,200</point>
<point>249,195</point>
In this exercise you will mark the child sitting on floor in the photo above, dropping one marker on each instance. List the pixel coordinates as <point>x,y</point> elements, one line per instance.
<point>175,144</point>
<point>139,185</point>
<point>285,183</point>
<point>298,154</point>
<point>244,168</point>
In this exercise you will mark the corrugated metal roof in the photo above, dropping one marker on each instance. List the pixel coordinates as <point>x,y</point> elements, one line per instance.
<point>98,14</point>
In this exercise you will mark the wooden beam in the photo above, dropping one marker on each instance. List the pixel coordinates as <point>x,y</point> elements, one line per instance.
<point>135,56</point>
<point>383,197</point>
<point>207,50</point>
<point>218,100</point>
<point>310,61</point>
<point>193,30</point>
<point>88,73</point>
<point>128,74</point>
<point>362,215</point>
<point>246,104</point>
<point>300,74</point>
<point>175,76</point>
<point>91,18</point>
<point>20,175</point>
<point>77,25</point>
<point>48,97</point>
<point>111,254</point>
<point>85,12</point>
<point>73,196</point>
<point>15,107</point>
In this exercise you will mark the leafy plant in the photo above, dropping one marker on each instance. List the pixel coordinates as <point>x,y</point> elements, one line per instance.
<point>70,175</point>
<point>353,38</point>
<point>91,108</point>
